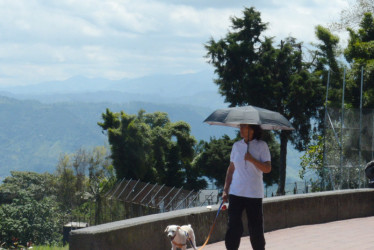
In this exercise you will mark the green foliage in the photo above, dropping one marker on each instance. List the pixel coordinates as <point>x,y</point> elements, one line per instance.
<point>66,180</point>
<point>215,158</point>
<point>130,144</point>
<point>27,219</point>
<point>326,54</point>
<point>149,147</point>
<point>36,186</point>
<point>312,160</point>
<point>272,177</point>
<point>33,205</point>
<point>51,247</point>
<point>360,54</point>
<point>29,211</point>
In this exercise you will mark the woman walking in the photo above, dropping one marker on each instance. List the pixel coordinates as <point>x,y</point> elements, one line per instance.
<point>244,187</point>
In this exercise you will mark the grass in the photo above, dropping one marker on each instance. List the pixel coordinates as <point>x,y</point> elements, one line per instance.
<point>50,248</point>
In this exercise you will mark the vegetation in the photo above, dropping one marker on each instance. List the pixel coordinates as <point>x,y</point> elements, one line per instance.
<point>360,57</point>
<point>34,206</point>
<point>151,148</point>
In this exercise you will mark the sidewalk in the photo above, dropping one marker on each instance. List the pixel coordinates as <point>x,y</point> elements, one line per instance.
<point>353,234</point>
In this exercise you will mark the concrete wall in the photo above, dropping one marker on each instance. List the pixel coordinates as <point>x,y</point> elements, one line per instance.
<point>147,232</point>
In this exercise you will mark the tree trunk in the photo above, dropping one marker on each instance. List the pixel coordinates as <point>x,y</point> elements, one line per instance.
<point>98,209</point>
<point>283,163</point>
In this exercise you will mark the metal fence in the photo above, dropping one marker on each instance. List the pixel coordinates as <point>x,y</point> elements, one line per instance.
<point>349,145</point>
<point>133,198</point>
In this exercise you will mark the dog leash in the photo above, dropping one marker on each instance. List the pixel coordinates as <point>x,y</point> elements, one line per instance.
<point>189,239</point>
<point>211,229</point>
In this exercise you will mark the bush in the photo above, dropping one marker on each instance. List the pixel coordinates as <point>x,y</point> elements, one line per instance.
<point>27,220</point>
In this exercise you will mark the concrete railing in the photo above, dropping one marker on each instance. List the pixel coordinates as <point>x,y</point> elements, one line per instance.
<point>147,232</point>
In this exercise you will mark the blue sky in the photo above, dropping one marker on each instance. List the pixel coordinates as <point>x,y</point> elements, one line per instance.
<point>114,39</point>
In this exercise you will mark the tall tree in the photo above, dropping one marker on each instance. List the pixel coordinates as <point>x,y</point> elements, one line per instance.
<point>66,183</point>
<point>251,71</point>
<point>326,59</point>
<point>360,54</point>
<point>129,138</point>
<point>149,147</point>
<point>101,177</point>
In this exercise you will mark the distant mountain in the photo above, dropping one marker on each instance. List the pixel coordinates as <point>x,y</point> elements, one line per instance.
<point>197,88</point>
<point>39,122</point>
<point>72,85</point>
<point>33,134</point>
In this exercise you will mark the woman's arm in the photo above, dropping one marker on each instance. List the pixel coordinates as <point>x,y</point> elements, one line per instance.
<point>226,188</point>
<point>262,166</point>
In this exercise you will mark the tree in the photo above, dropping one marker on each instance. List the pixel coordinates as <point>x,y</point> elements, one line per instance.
<point>28,220</point>
<point>28,209</point>
<point>214,158</point>
<point>37,186</point>
<point>79,164</point>
<point>101,177</point>
<point>84,176</point>
<point>129,138</point>
<point>149,147</point>
<point>66,192</point>
<point>360,54</point>
<point>251,71</point>
<point>352,16</point>
<point>326,60</point>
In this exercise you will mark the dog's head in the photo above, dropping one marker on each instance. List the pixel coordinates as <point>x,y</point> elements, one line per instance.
<point>171,231</point>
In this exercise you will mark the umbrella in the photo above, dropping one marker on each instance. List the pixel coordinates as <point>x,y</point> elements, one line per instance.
<point>233,117</point>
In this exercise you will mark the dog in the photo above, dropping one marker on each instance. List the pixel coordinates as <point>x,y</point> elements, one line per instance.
<point>180,235</point>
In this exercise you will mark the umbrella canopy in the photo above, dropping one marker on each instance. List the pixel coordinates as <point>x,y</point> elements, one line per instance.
<point>233,117</point>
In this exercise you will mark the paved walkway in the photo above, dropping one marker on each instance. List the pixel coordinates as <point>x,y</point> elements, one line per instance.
<point>353,234</point>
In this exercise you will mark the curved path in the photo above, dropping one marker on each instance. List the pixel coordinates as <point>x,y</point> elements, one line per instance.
<point>346,234</point>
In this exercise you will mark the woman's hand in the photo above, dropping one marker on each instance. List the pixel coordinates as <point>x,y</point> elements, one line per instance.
<point>262,166</point>
<point>224,196</point>
<point>248,157</point>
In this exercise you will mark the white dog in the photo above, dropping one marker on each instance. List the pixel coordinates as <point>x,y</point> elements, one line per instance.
<point>180,235</point>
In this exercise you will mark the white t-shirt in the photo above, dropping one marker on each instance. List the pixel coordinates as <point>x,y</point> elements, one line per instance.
<point>247,179</point>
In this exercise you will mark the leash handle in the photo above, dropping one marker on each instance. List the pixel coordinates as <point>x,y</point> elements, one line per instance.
<point>211,229</point>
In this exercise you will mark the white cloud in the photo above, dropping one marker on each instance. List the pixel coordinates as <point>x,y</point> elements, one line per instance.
<point>54,40</point>
<point>300,21</point>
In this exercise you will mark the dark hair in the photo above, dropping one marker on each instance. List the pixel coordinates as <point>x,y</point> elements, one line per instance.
<point>257,131</point>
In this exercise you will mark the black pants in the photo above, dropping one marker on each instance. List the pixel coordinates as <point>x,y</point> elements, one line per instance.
<point>253,208</point>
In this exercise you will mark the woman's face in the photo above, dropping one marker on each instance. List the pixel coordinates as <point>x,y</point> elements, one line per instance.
<point>246,132</point>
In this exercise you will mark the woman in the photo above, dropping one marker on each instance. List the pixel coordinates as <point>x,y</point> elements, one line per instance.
<point>244,187</point>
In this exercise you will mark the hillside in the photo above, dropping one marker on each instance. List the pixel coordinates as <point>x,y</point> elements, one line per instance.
<point>33,134</point>
<point>42,121</point>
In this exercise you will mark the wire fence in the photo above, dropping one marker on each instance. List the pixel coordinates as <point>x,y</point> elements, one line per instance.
<point>349,145</point>
<point>133,198</point>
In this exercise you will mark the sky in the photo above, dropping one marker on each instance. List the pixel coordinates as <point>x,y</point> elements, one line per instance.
<point>43,41</point>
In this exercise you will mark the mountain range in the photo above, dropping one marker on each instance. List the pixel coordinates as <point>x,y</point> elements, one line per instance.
<point>42,121</point>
